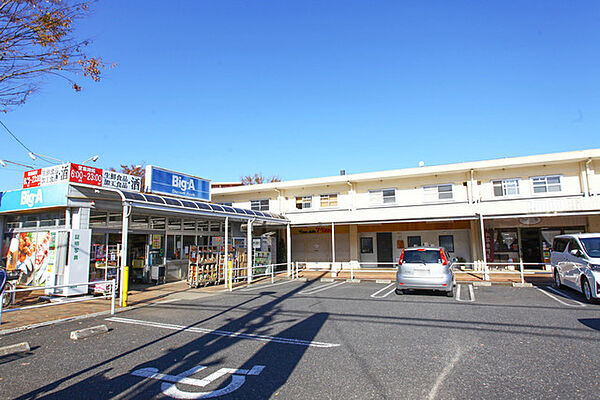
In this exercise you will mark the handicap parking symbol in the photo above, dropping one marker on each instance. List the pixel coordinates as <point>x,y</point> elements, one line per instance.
<point>169,382</point>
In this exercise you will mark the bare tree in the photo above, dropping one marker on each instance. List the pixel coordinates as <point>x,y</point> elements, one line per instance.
<point>37,40</point>
<point>259,178</point>
<point>133,169</point>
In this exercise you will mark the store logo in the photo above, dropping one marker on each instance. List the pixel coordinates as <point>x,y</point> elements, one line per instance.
<point>29,199</point>
<point>182,184</point>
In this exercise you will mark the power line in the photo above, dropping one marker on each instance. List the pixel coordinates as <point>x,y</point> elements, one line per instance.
<point>16,138</point>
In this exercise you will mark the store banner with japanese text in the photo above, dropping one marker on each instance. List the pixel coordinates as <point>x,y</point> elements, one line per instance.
<point>77,173</point>
<point>163,181</point>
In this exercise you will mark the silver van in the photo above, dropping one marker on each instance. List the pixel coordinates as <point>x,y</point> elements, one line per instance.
<point>576,263</point>
<point>425,268</point>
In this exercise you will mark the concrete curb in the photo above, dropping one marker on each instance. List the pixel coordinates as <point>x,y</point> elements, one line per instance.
<point>87,332</point>
<point>15,348</point>
<point>353,280</point>
<point>327,280</point>
<point>522,284</point>
<point>301,280</point>
<point>480,283</point>
<point>383,281</point>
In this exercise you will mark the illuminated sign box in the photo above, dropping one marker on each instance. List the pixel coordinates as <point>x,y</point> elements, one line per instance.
<point>164,181</point>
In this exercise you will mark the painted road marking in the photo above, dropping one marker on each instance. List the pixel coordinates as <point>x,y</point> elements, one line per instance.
<point>218,332</point>
<point>170,389</point>
<point>559,300</point>
<point>376,294</point>
<point>440,379</point>
<point>322,288</point>
<point>264,286</point>
<point>471,293</point>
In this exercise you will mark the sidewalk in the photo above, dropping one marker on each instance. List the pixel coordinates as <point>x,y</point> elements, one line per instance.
<point>138,295</point>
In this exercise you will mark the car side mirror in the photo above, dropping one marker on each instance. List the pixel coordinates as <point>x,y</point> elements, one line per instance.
<point>575,252</point>
<point>455,259</point>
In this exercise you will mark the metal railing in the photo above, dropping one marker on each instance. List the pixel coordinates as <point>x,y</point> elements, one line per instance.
<point>378,267</point>
<point>241,273</point>
<point>76,300</point>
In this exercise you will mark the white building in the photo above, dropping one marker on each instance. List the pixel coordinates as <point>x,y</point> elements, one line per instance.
<point>470,208</point>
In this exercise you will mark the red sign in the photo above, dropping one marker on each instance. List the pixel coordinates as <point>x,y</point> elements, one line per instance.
<point>32,178</point>
<point>84,174</point>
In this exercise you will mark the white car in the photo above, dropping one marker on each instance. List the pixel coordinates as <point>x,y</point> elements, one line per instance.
<point>576,263</point>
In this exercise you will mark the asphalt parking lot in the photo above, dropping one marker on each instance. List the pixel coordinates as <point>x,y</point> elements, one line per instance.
<point>322,340</point>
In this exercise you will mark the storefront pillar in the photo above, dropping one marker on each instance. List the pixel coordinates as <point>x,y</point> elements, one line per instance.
<point>68,218</point>
<point>520,254</point>
<point>229,277</point>
<point>289,249</point>
<point>353,237</point>
<point>249,251</point>
<point>333,273</point>
<point>124,236</point>
<point>486,276</point>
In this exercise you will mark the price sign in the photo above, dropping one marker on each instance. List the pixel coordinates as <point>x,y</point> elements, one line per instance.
<point>32,178</point>
<point>84,174</point>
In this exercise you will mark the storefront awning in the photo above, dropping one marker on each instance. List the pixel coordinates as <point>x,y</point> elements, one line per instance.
<point>153,202</point>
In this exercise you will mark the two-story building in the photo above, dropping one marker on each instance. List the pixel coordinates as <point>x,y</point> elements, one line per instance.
<point>478,211</point>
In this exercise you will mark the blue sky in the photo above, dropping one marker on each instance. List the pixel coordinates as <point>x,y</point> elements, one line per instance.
<point>303,89</point>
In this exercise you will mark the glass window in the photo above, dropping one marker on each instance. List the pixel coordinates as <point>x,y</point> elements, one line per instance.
<point>173,247</point>
<point>189,225</point>
<point>545,184</point>
<point>215,226</point>
<point>573,245</point>
<point>591,246</point>
<point>560,245</point>
<point>115,220</point>
<point>427,256</point>
<point>174,224</point>
<point>203,226</point>
<point>303,202</point>
<point>97,219</point>
<point>383,196</point>
<point>506,187</point>
<point>438,192</point>
<point>48,222</point>
<point>447,242</point>
<point>158,223</point>
<point>413,241</point>
<point>329,200</point>
<point>259,205</point>
<point>139,222</point>
<point>188,241</point>
<point>366,245</point>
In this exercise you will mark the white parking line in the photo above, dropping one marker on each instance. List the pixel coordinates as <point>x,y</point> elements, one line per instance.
<point>322,287</point>
<point>218,332</point>
<point>264,286</point>
<point>375,295</point>
<point>440,379</point>
<point>471,293</point>
<point>559,300</point>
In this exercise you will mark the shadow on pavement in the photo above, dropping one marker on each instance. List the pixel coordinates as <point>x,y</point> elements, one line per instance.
<point>593,323</point>
<point>279,360</point>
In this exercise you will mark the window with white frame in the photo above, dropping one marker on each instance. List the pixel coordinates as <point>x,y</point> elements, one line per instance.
<point>303,202</point>
<point>438,192</point>
<point>328,200</point>
<point>259,205</point>
<point>506,187</point>
<point>546,184</point>
<point>382,196</point>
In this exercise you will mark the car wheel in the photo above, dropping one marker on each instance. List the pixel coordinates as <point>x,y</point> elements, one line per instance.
<point>399,292</point>
<point>450,293</point>
<point>557,281</point>
<point>587,290</point>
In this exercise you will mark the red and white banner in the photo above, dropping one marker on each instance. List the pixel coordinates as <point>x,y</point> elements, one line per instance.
<point>78,173</point>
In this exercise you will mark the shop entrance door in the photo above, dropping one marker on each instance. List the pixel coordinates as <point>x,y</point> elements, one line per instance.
<point>384,248</point>
<point>531,241</point>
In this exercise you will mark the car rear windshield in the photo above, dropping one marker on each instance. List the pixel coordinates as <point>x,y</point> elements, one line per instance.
<point>591,246</point>
<point>422,256</point>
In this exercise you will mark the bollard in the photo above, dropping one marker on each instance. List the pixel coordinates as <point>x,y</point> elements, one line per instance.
<point>125,285</point>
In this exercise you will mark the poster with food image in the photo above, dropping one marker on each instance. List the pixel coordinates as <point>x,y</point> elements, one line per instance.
<point>32,253</point>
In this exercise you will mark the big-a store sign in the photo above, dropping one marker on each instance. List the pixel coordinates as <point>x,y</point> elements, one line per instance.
<point>77,173</point>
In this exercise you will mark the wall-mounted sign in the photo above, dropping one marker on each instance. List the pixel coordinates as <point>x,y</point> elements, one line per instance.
<point>78,173</point>
<point>163,181</point>
<point>118,180</point>
<point>25,199</point>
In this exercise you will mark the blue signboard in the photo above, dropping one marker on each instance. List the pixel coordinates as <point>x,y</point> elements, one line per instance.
<point>163,181</point>
<point>37,197</point>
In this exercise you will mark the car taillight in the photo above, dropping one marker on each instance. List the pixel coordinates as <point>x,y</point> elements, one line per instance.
<point>444,261</point>
<point>401,260</point>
